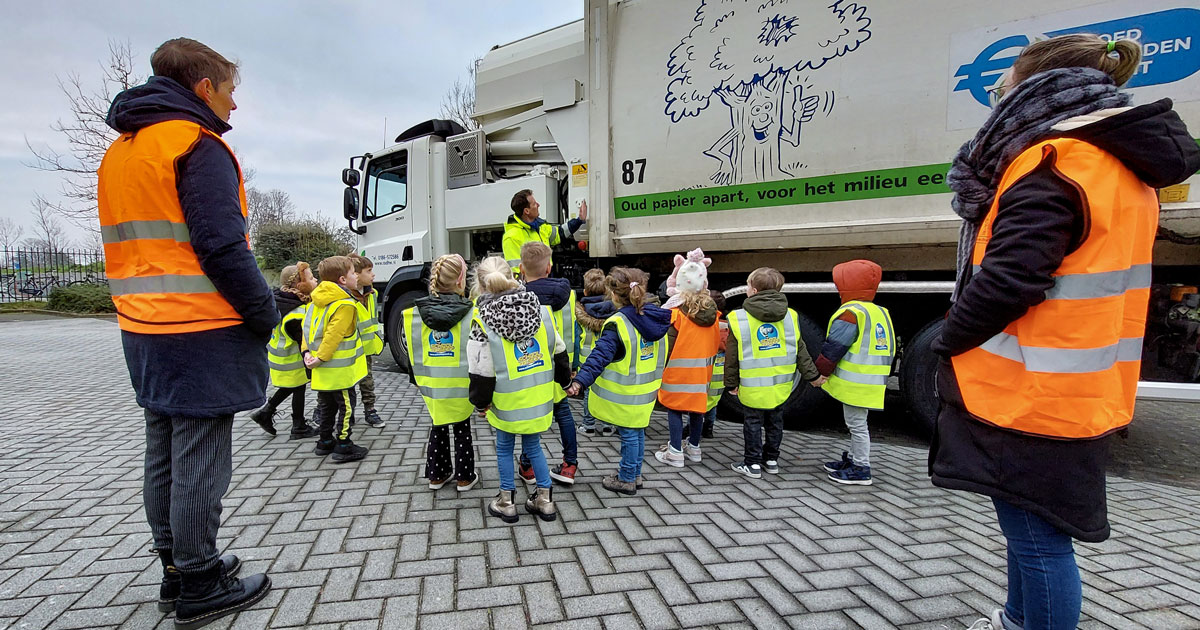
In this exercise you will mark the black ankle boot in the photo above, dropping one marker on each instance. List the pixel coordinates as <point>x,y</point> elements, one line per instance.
<point>265,418</point>
<point>168,591</point>
<point>301,430</point>
<point>207,596</point>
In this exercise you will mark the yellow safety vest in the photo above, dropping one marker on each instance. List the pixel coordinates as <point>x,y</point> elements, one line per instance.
<point>285,356</point>
<point>348,365</point>
<point>717,385</point>
<point>768,358</point>
<point>563,322</point>
<point>439,363</point>
<point>625,392</point>
<point>587,341</point>
<point>523,402</point>
<point>368,325</point>
<point>861,376</point>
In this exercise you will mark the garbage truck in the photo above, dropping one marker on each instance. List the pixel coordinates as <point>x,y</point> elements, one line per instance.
<point>793,134</point>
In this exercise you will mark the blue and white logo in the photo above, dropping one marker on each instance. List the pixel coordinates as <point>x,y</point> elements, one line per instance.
<point>1169,50</point>
<point>881,340</point>
<point>528,355</point>
<point>646,350</point>
<point>441,343</point>
<point>768,337</point>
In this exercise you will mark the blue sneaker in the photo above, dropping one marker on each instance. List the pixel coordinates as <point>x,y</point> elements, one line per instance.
<point>842,465</point>
<point>852,475</point>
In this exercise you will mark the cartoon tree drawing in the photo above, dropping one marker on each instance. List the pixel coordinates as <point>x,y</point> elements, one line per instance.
<point>754,56</point>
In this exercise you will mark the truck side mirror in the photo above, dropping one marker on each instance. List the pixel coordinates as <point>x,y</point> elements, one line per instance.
<point>350,209</point>
<point>350,177</point>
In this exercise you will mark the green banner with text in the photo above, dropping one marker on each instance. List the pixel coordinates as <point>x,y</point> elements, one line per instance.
<point>894,182</point>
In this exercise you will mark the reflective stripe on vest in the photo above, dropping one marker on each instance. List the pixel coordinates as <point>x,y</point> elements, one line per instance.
<point>439,363</point>
<point>767,364</point>
<point>155,276</point>
<point>716,386</point>
<point>625,392</point>
<point>284,355</point>
<point>860,378</point>
<point>523,401</point>
<point>564,320</point>
<point>587,341</point>
<point>688,374</point>
<point>368,325</point>
<point>1068,368</point>
<point>348,365</point>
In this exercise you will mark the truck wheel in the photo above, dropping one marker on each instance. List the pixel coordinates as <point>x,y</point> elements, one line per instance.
<point>806,401</point>
<point>918,377</point>
<point>395,321</point>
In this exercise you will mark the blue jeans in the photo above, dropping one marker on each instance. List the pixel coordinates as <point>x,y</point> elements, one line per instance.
<point>710,419</point>
<point>566,433</point>
<point>531,447</point>
<point>589,421</point>
<point>1044,589</point>
<point>675,425</point>
<point>633,448</point>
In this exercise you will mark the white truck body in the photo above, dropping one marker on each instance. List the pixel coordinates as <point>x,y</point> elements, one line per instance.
<point>792,133</point>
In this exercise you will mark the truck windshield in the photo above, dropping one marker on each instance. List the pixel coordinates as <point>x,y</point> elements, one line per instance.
<point>387,186</point>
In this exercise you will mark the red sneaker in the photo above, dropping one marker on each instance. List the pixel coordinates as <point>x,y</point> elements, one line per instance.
<point>564,473</point>
<point>526,473</point>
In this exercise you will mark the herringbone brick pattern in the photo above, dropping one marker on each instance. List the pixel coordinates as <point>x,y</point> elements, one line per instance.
<point>368,546</point>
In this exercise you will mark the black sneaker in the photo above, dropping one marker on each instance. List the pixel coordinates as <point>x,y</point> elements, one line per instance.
<point>265,418</point>
<point>707,433</point>
<point>852,475</point>
<point>324,447</point>
<point>349,452</point>
<point>373,419</point>
<point>302,431</point>
<point>832,467</point>
<point>589,430</point>
<point>210,595</point>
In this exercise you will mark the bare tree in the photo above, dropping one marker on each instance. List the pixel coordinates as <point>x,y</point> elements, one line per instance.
<point>10,233</point>
<point>48,233</point>
<point>86,133</point>
<point>458,104</point>
<point>271,207</point>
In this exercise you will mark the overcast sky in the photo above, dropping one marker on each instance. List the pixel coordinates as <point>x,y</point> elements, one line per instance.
<point>318,78</point>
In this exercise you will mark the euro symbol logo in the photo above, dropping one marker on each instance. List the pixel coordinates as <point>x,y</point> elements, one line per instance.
<point>982,73</point>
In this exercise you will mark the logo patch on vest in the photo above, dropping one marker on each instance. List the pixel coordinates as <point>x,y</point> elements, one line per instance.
<point>646,350</point>
<point>528,354</point>
<point>768,337</point>
<point>441,344</point>
<point>881,342</point>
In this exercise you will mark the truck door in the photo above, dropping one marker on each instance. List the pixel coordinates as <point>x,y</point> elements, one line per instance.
<point>386,213</point>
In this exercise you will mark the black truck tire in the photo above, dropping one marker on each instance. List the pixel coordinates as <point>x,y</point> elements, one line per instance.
<point>395,323</point>
<point>918,377</point>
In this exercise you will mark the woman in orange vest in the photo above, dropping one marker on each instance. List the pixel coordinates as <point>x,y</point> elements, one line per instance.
<point>1043,341</point>
<point>694,339</point>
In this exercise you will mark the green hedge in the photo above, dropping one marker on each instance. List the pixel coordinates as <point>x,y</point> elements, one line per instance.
<point>82,298</point>
<point>278,246</point>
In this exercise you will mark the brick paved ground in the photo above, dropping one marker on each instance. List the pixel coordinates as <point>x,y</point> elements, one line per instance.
<point>368,546</point>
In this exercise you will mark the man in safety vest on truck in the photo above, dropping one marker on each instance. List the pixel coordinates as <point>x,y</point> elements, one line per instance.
<point>194,310</point>
<point>526,225</point>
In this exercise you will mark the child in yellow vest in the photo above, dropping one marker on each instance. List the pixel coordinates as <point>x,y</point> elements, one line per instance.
<point>624,371</point>
<point>590,314</point>
<point>369,330</point>
<point>333,350</point>
<point>434,338</point>
<point>857,359</point>
<point>284,357</point>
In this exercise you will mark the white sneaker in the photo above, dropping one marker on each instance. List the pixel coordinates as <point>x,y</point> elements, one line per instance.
<point>669,456</point>
<point>771,466</point>
<point>995,621</point>
<point>692,452</point>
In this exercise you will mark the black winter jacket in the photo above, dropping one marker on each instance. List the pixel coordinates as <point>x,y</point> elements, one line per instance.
<point>1042,218</point>
<point>214,372</point>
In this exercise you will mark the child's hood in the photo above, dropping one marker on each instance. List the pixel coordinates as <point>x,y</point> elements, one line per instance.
<point>443,312</point>
<point>653,322</point>
<point>857,280</point>
<point>767,306</point>
<point>328,292</point>
<point>591,312</point>
<point>552,292</point>
<point>705,318</point>
<point>286,301</point>
<point>514,315</point>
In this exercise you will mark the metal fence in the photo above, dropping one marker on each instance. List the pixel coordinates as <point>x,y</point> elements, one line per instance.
<point>31,274</point>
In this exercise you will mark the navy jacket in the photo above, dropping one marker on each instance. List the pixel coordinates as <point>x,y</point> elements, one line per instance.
<point>552,292</point>
<point>653,324</point>
<point>215,372</point>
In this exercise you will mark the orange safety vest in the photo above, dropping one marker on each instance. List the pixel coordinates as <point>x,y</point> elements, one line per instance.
<point>157,284</point>
<point>1069,367</point>
<point>689,369</point>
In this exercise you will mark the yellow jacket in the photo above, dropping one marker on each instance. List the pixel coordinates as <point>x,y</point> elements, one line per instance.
<point>342,323</point>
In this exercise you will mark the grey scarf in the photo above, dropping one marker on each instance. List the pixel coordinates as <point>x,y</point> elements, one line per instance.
<point>1022,119</point>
